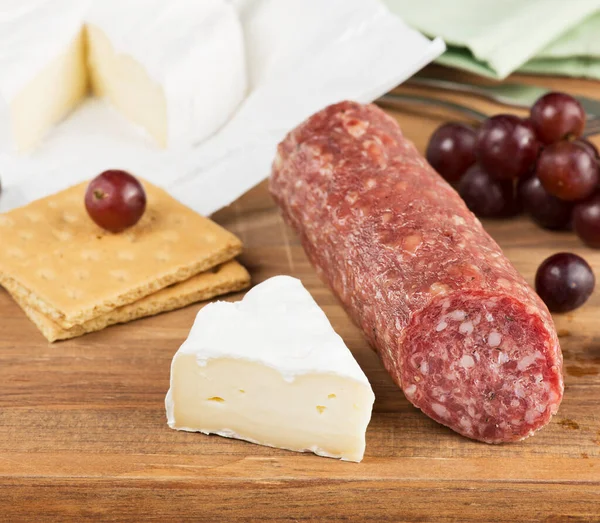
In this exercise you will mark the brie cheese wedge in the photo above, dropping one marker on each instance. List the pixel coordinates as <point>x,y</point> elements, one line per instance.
<point>271,370</point>
<point>177,69</point>
<point>42,67</point>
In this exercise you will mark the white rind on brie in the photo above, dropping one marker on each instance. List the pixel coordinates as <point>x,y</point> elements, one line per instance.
<point>271,370</point>
<point>277,324</point>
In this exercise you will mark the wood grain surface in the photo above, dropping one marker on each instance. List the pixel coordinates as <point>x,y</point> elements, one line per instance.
<point>83,435</point>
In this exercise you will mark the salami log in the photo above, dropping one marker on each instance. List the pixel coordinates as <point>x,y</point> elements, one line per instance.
<point>456,326</point>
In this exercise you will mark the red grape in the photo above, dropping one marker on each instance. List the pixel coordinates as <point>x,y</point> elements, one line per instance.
<point>564,281</point>
<point>506,146</point>
<point>546,210</point>
<point>556,116</point>
<point>588,146</point>
<point>486,196</point>
<point>115,200</point>
<point>586,221</point>
<point>567,171</point>
<point>451,150</point>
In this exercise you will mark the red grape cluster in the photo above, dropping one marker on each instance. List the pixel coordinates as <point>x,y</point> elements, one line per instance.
<point>540,164</point>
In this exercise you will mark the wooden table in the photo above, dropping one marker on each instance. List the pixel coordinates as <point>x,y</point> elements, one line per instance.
<point>83,433</point>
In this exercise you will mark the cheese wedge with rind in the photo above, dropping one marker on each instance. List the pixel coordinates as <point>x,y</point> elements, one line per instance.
<point>43,73</point>
<point>271,370</point>
<point>176,69</point>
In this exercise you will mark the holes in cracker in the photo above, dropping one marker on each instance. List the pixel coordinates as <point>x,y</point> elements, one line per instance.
<point>170,236</point>
<point>69,217</point>
<point>81,274</point>
<point>131,235</point>
<point>74,294</point>
<point>46,274</point>
<point>14,252</point>
<point>34,217</point>
<point>90,255</point>
<point>26,235</point>
<point>6,221</point>
<point>177,219</point>
<point>162,256</point>
<point>119,275</point>
<point>62,235</point>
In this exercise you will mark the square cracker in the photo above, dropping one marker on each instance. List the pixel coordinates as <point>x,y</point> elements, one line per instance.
<point>56,260</point>
<point>229,277</point>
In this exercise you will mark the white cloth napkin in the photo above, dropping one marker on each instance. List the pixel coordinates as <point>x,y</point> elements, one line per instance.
<point>303,55</point>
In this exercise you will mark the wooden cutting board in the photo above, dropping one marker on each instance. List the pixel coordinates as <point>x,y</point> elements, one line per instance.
<point>83,433</point>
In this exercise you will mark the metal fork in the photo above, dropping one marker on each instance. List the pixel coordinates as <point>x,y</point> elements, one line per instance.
<point>517,95</point>
<point>396,100</point>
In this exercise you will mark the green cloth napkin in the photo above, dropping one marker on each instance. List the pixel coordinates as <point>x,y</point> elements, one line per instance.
<point>575,53</point>
<point>494,38</point>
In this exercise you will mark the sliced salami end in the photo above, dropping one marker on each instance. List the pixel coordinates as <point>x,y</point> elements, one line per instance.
<point>481,363</point>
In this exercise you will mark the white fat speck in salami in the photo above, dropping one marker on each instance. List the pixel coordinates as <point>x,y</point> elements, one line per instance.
<point>440,410</point>
<point>457,315</point>
<point>519,392</point>
<point>502,282</point>
<point>441,326</point>
<point>467,362</point>
<point>458,220</point>
<point>466,327</point>
<point>454,323</point>
<point>494,339</point>
<point>438,288</point>
<point>526,361</point>
<point>530,416</point>
<point>351,198</point>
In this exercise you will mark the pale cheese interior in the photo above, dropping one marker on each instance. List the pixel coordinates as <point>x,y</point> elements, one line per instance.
<point>323,413</point>
<point>50,96</point>
<point>127,85</point>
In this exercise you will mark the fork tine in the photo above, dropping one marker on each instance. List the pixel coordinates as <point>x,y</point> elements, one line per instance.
<point>591,130</point>
<point>399,99</point>
<point>592,121</point>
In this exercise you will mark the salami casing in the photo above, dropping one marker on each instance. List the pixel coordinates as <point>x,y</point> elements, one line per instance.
<point>456,326</point>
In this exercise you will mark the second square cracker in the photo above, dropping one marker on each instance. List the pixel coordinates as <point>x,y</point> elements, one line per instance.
<point>55,259</point>
<point>229,277</point>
